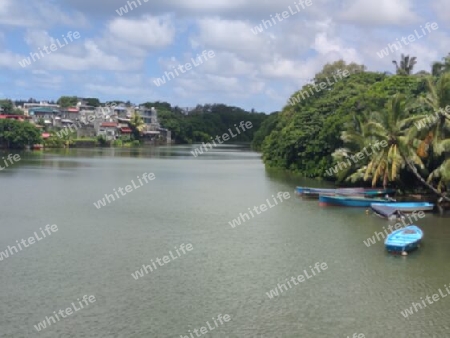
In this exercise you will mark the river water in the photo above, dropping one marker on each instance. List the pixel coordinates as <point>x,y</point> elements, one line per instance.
<point>227,271</point>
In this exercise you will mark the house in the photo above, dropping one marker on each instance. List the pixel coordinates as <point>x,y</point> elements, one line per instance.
<point>83,107</point>
<point>122,112</point>
<point>108,130</point>
<point>48,114</point>
<point>150,116</point>
<point>70,113</point>
<point>125,131</point>
<point>43,104</point>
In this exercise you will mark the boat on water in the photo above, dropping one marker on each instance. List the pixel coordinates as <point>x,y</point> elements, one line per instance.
<point>315,192</point>
<point>387,212</point>
<point>404,240</point>
<point>407,206</point>
<point>350,201</point>
<point>379,192</point>
<point>308,191</point>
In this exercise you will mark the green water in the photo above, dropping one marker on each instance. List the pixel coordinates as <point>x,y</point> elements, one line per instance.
<point>228,271</point>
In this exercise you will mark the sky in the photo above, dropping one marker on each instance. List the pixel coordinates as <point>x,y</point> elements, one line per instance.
<point>94,48</point>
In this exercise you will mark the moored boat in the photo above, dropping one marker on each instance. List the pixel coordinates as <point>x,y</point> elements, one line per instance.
<point>315,192</point>
<point>384,211</point>
<point>404,240</point>
<point>350,201</point>
<point>378,192</point>
<point>407,206</point>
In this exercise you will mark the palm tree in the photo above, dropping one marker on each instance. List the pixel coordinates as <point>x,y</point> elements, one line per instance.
<point>392,129</point>
<point>355,139</point>
<point>137,125</point>
<point>406,65</point>
<point>436,133</point>
<point>438,68</point>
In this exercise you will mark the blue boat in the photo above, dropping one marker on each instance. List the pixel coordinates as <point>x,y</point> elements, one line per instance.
<point>407,206</point>
<point>350,201</point>
<point>404,240</point>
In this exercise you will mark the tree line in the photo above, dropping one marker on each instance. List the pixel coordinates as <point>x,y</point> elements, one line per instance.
<point>196,126</point>
<point>404,110</point>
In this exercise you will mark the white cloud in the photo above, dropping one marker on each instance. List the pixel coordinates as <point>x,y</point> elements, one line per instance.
<point>35,13</point>
<point>380,12</point>
<point>230,35</point>
<point>116,57</point>
<point>146,32</point>
<point>442,10</point>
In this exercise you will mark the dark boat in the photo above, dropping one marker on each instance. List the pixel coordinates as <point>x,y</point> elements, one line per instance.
<point>315,192</point>
<point>384,211</point>
<point>350,201</point>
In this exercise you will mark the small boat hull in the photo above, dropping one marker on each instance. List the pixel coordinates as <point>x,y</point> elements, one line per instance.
<point>386,212</point>
<point>315,192</point>
<point>409,206</point>
<point>349,201</point>
<point>404,240</point>
<point>379,192</point>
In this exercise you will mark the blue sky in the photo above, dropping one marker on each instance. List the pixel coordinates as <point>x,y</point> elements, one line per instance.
<point>120,56</point>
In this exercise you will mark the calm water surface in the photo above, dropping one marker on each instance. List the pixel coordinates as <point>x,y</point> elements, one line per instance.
<point>192,200</point>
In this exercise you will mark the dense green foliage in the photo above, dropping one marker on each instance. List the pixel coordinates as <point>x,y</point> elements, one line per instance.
<point>264,130</point>
<point>7,108</point>
<point>206,121</point>
<point>67,101</point>
<point>312,128</point>
<point>92,101</point>
<point>18,134</point>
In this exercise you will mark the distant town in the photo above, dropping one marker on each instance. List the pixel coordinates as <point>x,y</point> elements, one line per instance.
<point>109,121</point>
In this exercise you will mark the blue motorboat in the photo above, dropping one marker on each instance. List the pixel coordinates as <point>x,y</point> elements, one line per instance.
<point>350,201</point>
<point>404,240</point>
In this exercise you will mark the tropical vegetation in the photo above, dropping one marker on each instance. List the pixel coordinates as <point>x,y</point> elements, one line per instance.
<point>17,134</point>
<point>203,122</point>
<point>406,110</point>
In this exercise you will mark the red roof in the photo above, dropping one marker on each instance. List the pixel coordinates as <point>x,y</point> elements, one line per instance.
<point>125,130</point>
<point>72,110</point>
<point>17,117</point>
<point>45,135</point>
<point>109,125</point>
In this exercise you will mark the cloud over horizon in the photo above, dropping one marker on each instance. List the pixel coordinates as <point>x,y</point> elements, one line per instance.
<point>119,56</point>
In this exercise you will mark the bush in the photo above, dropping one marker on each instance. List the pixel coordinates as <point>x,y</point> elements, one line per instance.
<point>101,140</point>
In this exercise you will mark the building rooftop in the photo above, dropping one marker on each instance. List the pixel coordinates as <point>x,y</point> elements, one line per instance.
<point>109,125</point>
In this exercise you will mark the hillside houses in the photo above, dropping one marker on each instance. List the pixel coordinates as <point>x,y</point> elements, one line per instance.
<point>109,121</point>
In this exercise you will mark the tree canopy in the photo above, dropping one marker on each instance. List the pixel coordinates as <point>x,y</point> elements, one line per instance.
<point>312,135</point>
<point>67,101</point>
<point>205,121</point>
<point>18,134</point>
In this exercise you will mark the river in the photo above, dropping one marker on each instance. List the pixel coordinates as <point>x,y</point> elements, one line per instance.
<point>199,269</point>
